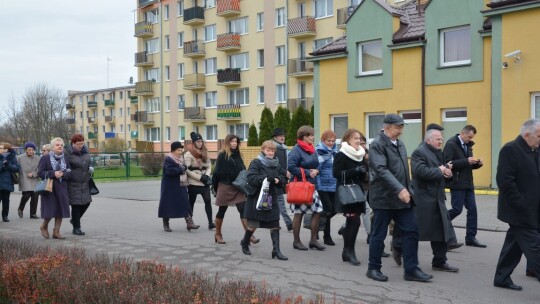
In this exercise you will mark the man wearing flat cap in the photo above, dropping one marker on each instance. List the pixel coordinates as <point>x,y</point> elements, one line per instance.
<point>281,154</point>
<point>390,197</point>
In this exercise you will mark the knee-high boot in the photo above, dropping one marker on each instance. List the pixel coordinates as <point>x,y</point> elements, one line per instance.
<point>245,241</point>
<point>217,236</point>
<point>252,239</point>
<point>327,237</point>
<point>276,253</point>
<point>349,235</point>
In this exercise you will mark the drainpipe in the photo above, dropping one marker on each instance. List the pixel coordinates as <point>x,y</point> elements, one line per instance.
<point>423,88</point>
<point>161,129</point>
<point>286,54</point>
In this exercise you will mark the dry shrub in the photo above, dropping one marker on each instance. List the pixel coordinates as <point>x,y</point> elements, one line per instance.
<point>151,163</point>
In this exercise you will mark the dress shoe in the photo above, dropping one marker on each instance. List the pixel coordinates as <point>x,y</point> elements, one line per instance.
<point>211,226</point>
<point>78,231</point>
<point>396,254</point>
<point>510,285</point>
<point>328,241</point>
<point>530,273</point>
<point>385,254</point>
<point>19,211</point>
<point>376,275</point>
<point>5,219</point>
<point>316,245</point>
<point>289,227</point>
<point>418,276</point>
<point>341,230</point>
<point>299,246</point>
<point>475,243</point>
<point>453,246</point>
<point>34,217</point>
<point>445,267</point>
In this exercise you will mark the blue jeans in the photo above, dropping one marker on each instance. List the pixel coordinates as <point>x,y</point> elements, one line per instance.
<point>283,210</point>
<point>460,198</point>
<point>405,220</point>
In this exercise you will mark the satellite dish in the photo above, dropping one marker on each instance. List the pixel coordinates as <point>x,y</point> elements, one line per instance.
<point>130,80</point>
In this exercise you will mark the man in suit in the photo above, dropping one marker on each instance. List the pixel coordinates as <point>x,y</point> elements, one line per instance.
<point>429,173</point>
<point>518,177</point>
<point>458,150</point>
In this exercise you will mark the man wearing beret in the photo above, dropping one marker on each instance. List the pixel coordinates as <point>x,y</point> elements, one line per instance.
<point>28,179</point>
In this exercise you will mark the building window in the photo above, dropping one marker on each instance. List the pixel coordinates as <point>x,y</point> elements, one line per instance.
<point>211,132</point>
<point>181,102</point>
<point>167,103</point>
<point>281,93</point>
<point>239,97</point>
<point>180,8</point>
<point>323,8</point>
<point>535,106</point>
<point>260,58</point>
<point>374,125</point>
<point>121,112</point>
<point>280,17</point>
<point>340,124</point>
<point>180,39</point>
<point>210,66</point>
<point>166,42</point>
<point>370,58</point>
<point>280,55</point>
<point>121,128</point>
<point>260,22</point>
<point>210,3</point>
<point>455,46</point>
<point>168,133</point>
<point>152,74</point>
<point>211,99</point>
<point>260,94</point>
<point>181,133</point>
<point>167,73</point>
<point>121,95</point>
<point>319,43</point>
<point>240,130</point>
<point>239,26</point>
<point>210,33</point>
<point>152,16</point>
<point>455,115</point>
<point>240,61</point>
<point>152,105</point>
<point>152,46</point>
<point>181,71</point>
<point>166,12</point>
<point>103,128</point>
<point>414,134</point>
<point>152,134</point>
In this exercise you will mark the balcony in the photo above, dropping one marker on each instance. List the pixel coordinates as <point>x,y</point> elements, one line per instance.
<point>92,120</point>
<point>134,134</point>
<point>301,27</point>
<point>134,99</point>
<point>194,15</point>
<point>228,8</point>
<point>145,3</point>
<point>143,29</point>
<point>228,112</point>
<point>109,102</point>
<point>343,15</point>
<point>228,77</point>
<point>194,114</point>
<point>299,67</point>
<point>70,121</point>
<point>143,59</point>
<point>110,135</point>
<point>194,81</point>
<point>295,103</point>
<point>142,117</point>
<point>92,104</point>
<point>228,42</point>
<point>70,107</point>
<point>92,135</point>
<point>193,49</point>
<point>144,88</point>
<point>109,119</point>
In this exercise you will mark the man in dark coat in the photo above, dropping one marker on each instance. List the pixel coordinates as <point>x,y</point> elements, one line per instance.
<point>518,177</point>
<point>390,197</point>
<point>429,173</point>
<point>458,150</point>
<point>281,154</point>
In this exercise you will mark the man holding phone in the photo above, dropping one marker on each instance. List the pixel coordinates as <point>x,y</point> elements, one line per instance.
<point>458,150</point>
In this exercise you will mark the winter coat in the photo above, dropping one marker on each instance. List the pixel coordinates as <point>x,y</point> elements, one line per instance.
<point>326,181</point>
<point>173,201</point>
<point>518,177</point>
<point>28,165</point>
<point>281,155</point>
<point>227,169</point>
<point>353,174</point>
<point>8,164</point>
<point>196,168</point>
<point>461,169</point>
<point>300,159</point>
<point>256,174</point>
<point>388,173</point>
<point>56,203</point>
<point>428,183</point>
<point>78,189</point>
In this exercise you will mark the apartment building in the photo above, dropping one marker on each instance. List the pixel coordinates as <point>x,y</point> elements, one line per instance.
<point>101,115</point>
<point>211,66</point>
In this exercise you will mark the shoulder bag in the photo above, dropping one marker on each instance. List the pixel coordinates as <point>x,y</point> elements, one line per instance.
<point>348,194</point>
<point>44,186</point>
<point>300,192</point>
<point>241,184</point>
<point>14,178</point>
<point>93,188</point>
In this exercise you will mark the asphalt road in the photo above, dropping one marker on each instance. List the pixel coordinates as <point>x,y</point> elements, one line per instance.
<point>122,220</point>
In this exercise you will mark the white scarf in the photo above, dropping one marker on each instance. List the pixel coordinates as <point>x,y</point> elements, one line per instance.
<point>352,153</point>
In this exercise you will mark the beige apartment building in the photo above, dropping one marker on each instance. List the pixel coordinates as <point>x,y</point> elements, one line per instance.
<point>101,115</point>
<point>211,66</point>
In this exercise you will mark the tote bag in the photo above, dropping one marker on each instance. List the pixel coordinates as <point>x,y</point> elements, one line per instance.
<point>300,192</point>
<point>241,184</point>
<point>93,188</point>
<point>348,194</point>
<point>43,186</point>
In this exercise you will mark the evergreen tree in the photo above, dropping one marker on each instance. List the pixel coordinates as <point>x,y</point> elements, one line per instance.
<point>282,118</point>
<point>267,125</point>
<point>312,116</point>
<point>252,136</point>
<point>301,117</point>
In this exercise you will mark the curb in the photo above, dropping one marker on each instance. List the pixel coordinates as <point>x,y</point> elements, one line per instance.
<point>494,192</point>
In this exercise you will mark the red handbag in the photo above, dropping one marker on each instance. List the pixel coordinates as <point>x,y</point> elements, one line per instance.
<point>300,192</point>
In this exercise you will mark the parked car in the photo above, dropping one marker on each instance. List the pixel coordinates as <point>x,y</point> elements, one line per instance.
<point>106,160</point>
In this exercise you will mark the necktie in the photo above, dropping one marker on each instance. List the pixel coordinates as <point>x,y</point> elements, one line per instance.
<point>465,148</point>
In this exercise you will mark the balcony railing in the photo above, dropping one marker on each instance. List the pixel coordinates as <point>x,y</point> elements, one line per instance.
<point>70,107</point>
<point>142,117</point>
<point>92,104</point>
<point>194,48</point>
<point>70,121</point>
<point>228,77</point>
<point>228,8</point>
<point>92,135</point>
<point>194,15</point>
<point>301,27</point>
<point>110,135</point>
<point>92,120</point>
<point>144,59</point>
<point>299,67</point>
<point>228,42</point>
<point>228,112</point>
<point>194,81</point>
<point>109,102</point>
<point>145,3</point>
<point>295,103</point>
<point>143,29</point>
<point>194,114</point>
<point>144,88</point>
<point>108,118</point>
<point>343,15</point>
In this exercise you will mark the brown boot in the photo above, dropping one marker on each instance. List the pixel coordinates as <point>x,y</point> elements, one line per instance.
<point>56,230</point>
<point>217,236</point>
<point>253,239</point>
<point>44,228</point>
<point>190,224</point>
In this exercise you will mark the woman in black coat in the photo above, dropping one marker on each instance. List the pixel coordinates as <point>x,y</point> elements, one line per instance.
<point>265,166</point>
<point>348,169</point>
<point>8,166</point>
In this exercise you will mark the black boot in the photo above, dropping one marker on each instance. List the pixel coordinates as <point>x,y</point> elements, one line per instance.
<point>349,235</point>
<point>276,253</point>
<point>166,226</point>
<point>245,242</point>
<point>327,237</point>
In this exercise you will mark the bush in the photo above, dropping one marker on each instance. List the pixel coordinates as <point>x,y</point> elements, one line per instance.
<point>151,163</point>
<point>266,130</point>
<point>252,136</point>
<point>301,117</point>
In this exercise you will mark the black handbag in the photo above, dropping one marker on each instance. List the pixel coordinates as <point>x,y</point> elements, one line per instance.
<point>14,178</point>
<point>348,194</point>
<point>93,188</point>
<point>241,184</point>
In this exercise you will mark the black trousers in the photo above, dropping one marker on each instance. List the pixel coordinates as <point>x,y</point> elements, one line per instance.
<point>33,197</point>
<point>518,241</point>
<point>439,253</point>
<point>205,193</point>
<point>4,197</point>
<point>77,211</point>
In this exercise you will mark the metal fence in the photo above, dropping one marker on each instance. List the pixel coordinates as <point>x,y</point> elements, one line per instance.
<point>126,165</point>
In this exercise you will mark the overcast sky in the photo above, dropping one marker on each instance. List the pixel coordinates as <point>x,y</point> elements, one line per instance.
<point>65,44</point>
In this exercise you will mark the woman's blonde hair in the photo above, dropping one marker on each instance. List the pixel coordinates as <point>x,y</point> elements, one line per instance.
<point>55,140</point>
<point>46,147</point>
<point>268,144</point>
